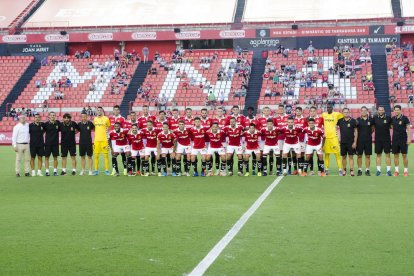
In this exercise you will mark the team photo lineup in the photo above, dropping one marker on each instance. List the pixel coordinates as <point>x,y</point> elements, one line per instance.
<point>271,143</point>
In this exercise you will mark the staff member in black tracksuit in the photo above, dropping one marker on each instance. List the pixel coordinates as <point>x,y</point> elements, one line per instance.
<point>401,138</point>
<point>68,142</point>
<point>37,144</point>
<point>349,135</point>
<point>365,125</point>
<point>52,142</point>
<point>382,124</point>
<point>85,142</point>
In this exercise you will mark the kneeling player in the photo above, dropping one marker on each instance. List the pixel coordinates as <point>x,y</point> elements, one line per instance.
<point>314,144</point>
<point>135,138</point>
<point>270,136</point>
<point>215,137</point>
<point>291,134</point>
<point>183,148</point>
<point>165,146</point>
<point>251,146</point>
<point>119,144</point>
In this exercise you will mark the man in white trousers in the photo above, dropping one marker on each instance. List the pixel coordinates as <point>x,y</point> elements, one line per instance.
<point>20,143</point>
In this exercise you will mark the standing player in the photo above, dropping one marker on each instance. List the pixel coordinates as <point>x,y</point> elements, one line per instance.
<point>142,121</point>
<point>205,120</point>
<point>319,123</point>
<point>52,142</point>
<point>136,140</point>
<point>117,118</point>
<point>198,135</point>
<point>189,119</point>
<point>401,139</point>
<point>234,134</point>
<point>165,146</point>
<point>314,144</point>
<point>281,121</point>
<point>100,145</point>
<point>215,138</point>
<point>132,121</point>
<point>37,144</point>
<point>291,134</point>
<point>174,120</point>
<point>365,125</point>
<point>349,138</point>
<point>119,144</point>
<point>68,142</point>
<point>382,124</point>
<point>85,142</point>
<point>150,136</point>
<point>236,114</point>
<point>183,148</point>
<point>251,147</point>
<point>251,119</point>
<point>331,145</point>
<point>160,121</point>
<point>300,122</point>
<point>270,136</point>
<point>220,118</point>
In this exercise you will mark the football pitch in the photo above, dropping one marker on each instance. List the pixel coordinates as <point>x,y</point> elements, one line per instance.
<point>86,225</point>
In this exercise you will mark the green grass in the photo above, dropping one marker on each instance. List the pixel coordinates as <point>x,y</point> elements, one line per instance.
<point>165,226</point>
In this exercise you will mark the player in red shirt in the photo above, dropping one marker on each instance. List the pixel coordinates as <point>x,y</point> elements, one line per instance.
<point>291,134</point>
<point>220,118</point>
<point>136,140</point>
<point>198,136</point>
<point>250,147</point>
<point>205,120</point>
<point>189,119</point>
<point>270,136</point>
<point>183,147</point>
<point>319,123</point>
<point>234,133</point>
<point>315,137</point>
<point>150,135</point>
<point>132,121</point>
<point>117,118</point>
<point>142,121</point>
<point>119,144</point>
<point>251,119</point>
<point>215,138</point>
<point>236,114</point>
<point>262,120</point>
<point>281,121</point>
<point>300,122</point>
<point>174,120</point>
<point>160,121</point>
<point>166,144</point>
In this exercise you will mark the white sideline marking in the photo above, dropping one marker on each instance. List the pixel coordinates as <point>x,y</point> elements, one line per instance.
<point>205,263</point>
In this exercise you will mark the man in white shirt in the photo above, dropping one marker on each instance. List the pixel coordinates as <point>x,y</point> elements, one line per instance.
<point>20,143</point>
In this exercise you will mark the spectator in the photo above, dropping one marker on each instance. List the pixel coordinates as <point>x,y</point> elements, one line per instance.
<point>38,83</point>
<point>13,113</point>
<point>393,99</point>
<point>63,68</point>
<point>86,54</point>
<point>145,53</point>
<point>77,54</point>
<point>410,100</point>
<point>268,92</point>
<point>58,95</point>
<point>92,87</point>
<point>221,97</point>
<point>397,85</point>
<point>300,52</point>
<point>45,106</point>
<point>162,103</point>
<point>211,99</point>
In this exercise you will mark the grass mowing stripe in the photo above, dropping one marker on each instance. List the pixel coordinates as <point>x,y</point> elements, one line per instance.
<point>205,263</point>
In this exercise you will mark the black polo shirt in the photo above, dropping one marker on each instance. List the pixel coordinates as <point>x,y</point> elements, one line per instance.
<point>52,133</point>
<point>399,128</point>
<point>68,132</point>
<point>36,135</point>
<point>85,132</point>
<point>365,129</point>
<point>382,128</point>
<point>347,128</point>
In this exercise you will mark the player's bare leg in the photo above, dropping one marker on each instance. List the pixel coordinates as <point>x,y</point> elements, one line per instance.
<point>73,158</point>
<point>405,162</point>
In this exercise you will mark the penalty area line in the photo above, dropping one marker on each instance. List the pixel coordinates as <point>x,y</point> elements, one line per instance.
<point>205,263</point>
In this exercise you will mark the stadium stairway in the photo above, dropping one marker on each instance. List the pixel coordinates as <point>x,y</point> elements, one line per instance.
<point>19,86</point>
<point>256,80</point>
<point>396,8</point>
<point>379,72</point>
<point>239,11</point>
<point>136,81</point>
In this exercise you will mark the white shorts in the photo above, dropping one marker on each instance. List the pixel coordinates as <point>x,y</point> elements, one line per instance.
<point>280,143</point>
<point>202,151</point>
<point>183,149</point>
<point>261,144</point>
<point>267,149</point>
<point>250,151</point>
<point>302,146</point>
<point>220,151</point>
<point>288,147</point>
<point>311,149</point>
<point>234,149</point>
<point>140,153</point>
<point>121,149</point>
<point>149,150</point>
<point>167,150</point>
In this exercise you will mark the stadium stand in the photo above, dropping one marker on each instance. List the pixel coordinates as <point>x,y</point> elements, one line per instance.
<point>340,76</point>
<point>54,13</point>
<point>201,69</point>
<point>279,10</point>
<point>10,14</point>
<point>407,8</point>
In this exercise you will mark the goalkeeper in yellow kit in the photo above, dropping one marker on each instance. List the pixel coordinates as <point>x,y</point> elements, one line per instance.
<point>100,145</point>
<point>331,138</point>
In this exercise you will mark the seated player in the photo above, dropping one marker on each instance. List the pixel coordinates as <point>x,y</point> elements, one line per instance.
<point>183,147</point>
<point>270,136</point>
<point>314,143</point>
<point>136,140</point>
<point>166,144</point>
<point>119,144</point>
<point>215,137</point>
<point>250,147</point>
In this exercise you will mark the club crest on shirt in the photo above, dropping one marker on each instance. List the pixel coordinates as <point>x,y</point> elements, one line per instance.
<point>349,125</point>
<point>385,121</point>
<point>400,122</point>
